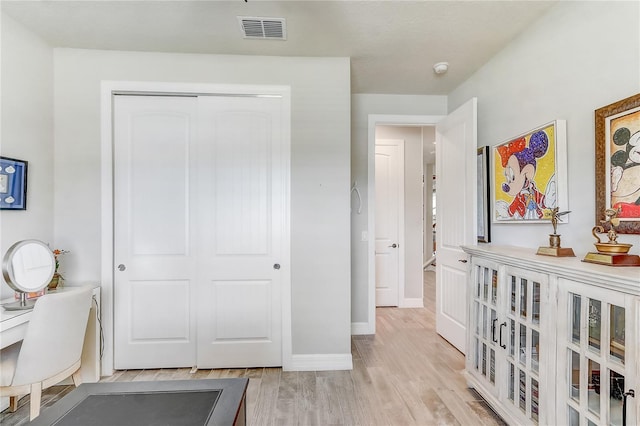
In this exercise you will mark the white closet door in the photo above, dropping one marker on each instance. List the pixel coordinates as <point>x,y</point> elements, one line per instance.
<point>154,279</point>
<point>389,164</point>
<point>242,211</point>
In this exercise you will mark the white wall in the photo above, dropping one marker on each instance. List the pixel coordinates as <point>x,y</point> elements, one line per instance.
<point>363,105</point>
<point>27,133</point>
<point>320,261</point>
<point>577,58</point>
<point>412,137</point>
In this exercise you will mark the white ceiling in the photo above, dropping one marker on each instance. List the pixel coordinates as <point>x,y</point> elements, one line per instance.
<point>393,45</point>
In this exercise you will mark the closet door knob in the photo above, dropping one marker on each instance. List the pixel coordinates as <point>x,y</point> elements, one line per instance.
<point>121,267</point>
<point>276,266</point>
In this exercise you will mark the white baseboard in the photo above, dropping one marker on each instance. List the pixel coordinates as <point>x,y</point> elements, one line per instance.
<point>412,303</point>
<point>361,328</point>
<point>321,362</point>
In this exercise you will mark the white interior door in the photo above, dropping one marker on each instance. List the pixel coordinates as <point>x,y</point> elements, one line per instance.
<point>200,212</point>
<point>242,213</point>
<point>389,173</point>
<point>154,231</point>
<point>456,152</point>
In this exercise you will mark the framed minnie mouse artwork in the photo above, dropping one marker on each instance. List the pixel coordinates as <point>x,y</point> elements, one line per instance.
<point>530,175</point>
<point>618,163</point>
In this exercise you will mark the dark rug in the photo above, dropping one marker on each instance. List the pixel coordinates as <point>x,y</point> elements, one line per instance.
<point>177,408</point>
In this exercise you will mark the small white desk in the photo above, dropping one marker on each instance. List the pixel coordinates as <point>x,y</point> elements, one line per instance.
<point>13,326</point>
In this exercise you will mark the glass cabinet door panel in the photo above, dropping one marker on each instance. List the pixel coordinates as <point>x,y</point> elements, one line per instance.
<point>484,321</point>
<point>574,417</point>
<point>512,337</point>
<point>574,374</point>
<point>511,380</point>
<point>523,298</point>
<point>616,345</point>
<point>485,289</point>
<point>513,295</point>
<point>576,305</point>
<point>484,359</point>
<point>534,400</point>
<point>492,366</point>
<point>494,325</point>
<point>494,286</point>
<point>535,350</point>
<point>593,388</point>
<point>595,324</point>
<point>485,277</point>
<point>523,391</point>
<point>523,344</point>
<point>616,397</point>
<point>535,311</point>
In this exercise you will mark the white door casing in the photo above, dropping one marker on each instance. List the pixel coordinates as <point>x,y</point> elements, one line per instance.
<point>456,141</point>
<point>230,229</point>
<point>154,231</point>
<point>242,214</point>
<point>389,205</point>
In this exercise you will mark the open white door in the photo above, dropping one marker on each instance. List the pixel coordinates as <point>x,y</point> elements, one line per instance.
<point>456,141</point>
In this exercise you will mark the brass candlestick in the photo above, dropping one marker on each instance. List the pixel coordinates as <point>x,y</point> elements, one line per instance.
<point>554,248</point>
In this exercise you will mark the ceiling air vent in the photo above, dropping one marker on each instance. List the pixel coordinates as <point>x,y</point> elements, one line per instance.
<point>263,28</point>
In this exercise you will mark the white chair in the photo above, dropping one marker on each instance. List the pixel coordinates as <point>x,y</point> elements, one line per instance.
<point>51,349</point>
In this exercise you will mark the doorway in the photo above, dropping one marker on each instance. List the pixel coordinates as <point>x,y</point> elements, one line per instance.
<point>390,127</point>
<point>456,138</point>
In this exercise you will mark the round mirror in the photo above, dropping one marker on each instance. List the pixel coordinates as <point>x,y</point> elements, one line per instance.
<point>28,266</point>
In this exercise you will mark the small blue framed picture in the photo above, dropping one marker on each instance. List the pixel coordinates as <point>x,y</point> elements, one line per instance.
<point>13,184</point>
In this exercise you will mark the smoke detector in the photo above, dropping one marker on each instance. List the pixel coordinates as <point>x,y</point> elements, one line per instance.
<point>263,28</point>
<point>441,67</point>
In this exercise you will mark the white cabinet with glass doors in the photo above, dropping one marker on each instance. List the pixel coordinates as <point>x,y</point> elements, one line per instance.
<point>553,340</point>
<point>508,313</point>
<point>596,356</point>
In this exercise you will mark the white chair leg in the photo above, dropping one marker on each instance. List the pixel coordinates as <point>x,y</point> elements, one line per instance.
<point>13,403</point>
<point>77,378</point>
<point>34,401</point>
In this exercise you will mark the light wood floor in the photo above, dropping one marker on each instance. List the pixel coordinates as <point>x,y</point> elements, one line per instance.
<point>404,375</point>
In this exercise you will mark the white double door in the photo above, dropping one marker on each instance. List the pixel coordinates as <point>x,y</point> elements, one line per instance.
<point>200,207</point>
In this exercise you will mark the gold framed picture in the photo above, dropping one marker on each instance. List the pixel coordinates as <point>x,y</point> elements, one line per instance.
<point>617,153</point>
